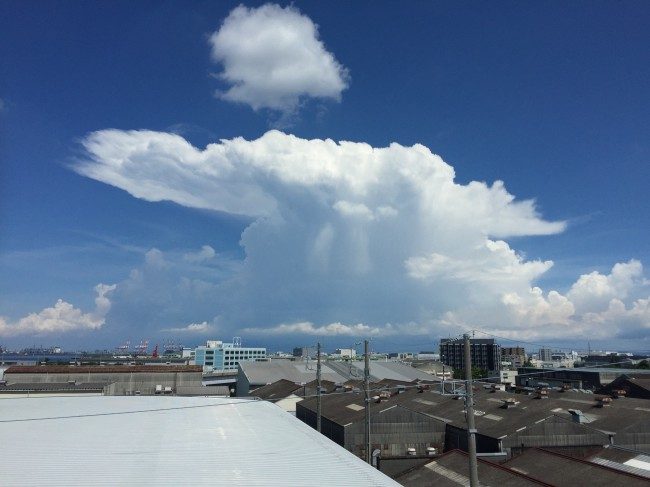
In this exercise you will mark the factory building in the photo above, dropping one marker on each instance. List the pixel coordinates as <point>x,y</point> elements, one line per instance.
<point>507,423</point>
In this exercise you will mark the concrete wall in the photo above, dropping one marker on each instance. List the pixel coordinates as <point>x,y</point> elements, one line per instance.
<point>122,383</point>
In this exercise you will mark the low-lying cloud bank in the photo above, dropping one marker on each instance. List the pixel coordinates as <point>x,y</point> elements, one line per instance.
<point>349,239</point>
<point>61,318</point>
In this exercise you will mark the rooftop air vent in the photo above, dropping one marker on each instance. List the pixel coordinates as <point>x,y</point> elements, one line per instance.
<point>602,402</point>
<point>511,402</point>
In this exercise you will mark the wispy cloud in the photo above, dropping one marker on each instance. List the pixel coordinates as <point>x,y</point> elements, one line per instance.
<point>308,328</point>
<point>193,328</point>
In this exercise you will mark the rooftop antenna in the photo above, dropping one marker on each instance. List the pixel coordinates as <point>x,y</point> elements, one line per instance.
<point>236,342</point>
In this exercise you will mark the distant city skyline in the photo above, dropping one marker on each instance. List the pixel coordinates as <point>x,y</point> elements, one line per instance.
<point>290,173</point>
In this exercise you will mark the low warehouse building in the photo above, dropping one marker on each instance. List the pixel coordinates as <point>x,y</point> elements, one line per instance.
<point>119,380</point>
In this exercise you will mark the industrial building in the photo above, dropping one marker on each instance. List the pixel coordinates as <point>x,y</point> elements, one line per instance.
<point>485,353</point>
<point>395,428</point>
<point>507,423</point>
<point>219,356</point>
<point>591,378</point>
<point>637,386</point>
<point>169,441</point>
<point>116,380</point>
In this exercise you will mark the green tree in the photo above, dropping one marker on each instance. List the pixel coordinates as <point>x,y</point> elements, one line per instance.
<point>477,373</point>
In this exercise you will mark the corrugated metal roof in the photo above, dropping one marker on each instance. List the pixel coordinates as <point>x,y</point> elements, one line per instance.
<point>153,440</point>
<point>559,469</point>
<point>451,469</point>
<point>269,372</point>
<point>299,371</point>
<point>622,459</point>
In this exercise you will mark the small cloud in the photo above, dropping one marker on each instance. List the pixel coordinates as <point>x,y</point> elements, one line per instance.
<point>155,258</point>
<point>206,253</point>
<point>62,317</point>
<point>272,58</point>
<point>196,328</point>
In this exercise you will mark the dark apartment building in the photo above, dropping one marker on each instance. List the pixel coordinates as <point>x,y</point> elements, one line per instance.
<point>485,353</point>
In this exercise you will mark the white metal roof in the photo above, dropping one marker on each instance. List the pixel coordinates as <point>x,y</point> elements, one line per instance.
<point>157,440</point>
<point>299,371</point>
<point>269,372</point>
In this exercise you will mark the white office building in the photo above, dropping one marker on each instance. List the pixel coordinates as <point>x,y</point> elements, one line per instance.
<point>216,355</point>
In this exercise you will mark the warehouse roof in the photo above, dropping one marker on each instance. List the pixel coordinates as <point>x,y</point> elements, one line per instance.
<point>285,388</point>
<point>492,419</point>
<point>334,371</point>
<point>562,470</point>
<point>451,470</point>
<point>397,371</point>
<point>623,459</point>
<point>279,389</point>
<point>99,369</point>
<point>262,373</point>
<point>126,441</point>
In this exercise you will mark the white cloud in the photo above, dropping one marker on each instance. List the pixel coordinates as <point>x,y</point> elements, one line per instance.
<point>62,317</point>
<point>272,57</point>
<point>205,254</point>
<point>595,290</point>
<point>490,262</point>
<point>196,328</point>
<point>593,306</point>
<point>347,233</point>
<point>308,328</point>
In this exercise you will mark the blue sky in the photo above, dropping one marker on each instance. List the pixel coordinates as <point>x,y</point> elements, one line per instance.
<point>551,99</point>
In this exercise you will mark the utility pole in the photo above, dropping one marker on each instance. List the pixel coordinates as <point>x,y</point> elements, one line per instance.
<point>366,388</point>
<point>318,391</point>
<point>469,407</point>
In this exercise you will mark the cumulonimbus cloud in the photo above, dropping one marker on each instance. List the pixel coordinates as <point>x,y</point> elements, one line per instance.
<point>62,317</point>
<point>344,232</point>
<point>272,57</point>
